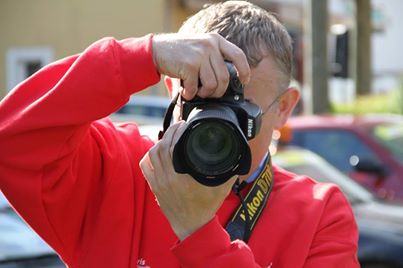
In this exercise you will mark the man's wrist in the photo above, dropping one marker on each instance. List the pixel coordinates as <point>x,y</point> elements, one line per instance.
<point>182,232</point>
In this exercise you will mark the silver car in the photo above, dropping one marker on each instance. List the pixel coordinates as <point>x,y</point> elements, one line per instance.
<point>20,246</point>
<point>380,224</point>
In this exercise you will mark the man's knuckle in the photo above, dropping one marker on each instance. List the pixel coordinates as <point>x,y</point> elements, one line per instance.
<point>163,146</point>
<point>238,53</point>
<point>210,85</point>
<point>190,65</point>
<point>208,91</point>
<point>223,77</point>
<point>153,152</point>
<point>215,36</point>
<point>208,43</point>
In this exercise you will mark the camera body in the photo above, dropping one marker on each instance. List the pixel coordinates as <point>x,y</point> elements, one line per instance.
<point>214,147</point>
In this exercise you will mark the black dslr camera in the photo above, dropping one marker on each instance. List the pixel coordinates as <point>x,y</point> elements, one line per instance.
<point>214,145</point>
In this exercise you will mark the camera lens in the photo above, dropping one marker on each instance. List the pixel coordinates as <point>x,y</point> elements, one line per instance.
<point>212,147</point>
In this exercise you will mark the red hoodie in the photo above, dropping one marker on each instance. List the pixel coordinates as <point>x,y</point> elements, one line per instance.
<point>76,179</point>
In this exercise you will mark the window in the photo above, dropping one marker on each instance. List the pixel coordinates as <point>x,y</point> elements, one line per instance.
<point>23,62</point>
<point>336,146</point>
<point>390,137</point>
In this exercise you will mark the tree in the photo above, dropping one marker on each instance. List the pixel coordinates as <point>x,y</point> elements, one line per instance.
<point>315,56</point>
<point>361,48</point>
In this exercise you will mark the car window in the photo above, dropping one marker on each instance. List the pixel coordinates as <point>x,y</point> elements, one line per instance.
<point>390,136</point>
<point>335,146</point>
<point>143,110</point>
<point>304,162</point>
<point>353,192</point>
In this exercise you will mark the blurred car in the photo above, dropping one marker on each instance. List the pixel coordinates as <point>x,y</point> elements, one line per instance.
<point>20,247</point>
<point>367,148</point>
<point>144,110</point>
<point>380,224</point>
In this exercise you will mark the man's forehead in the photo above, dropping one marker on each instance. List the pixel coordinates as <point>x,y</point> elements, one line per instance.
<point>266,73</point>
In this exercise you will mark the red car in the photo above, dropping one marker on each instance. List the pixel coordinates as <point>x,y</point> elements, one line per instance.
<point>367,148</point>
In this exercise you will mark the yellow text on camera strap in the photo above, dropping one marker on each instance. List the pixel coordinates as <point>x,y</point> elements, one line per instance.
<point>245,217</point>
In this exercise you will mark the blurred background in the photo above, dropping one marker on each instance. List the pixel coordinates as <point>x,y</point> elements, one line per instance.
<point>347,128</point>
<point>346,52</point>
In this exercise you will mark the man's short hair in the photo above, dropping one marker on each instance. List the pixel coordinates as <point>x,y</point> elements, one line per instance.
<point>253,29</point>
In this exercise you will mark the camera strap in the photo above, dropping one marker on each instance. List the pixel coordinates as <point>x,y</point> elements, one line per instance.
<point>247,214</point>
<point>168,116</point>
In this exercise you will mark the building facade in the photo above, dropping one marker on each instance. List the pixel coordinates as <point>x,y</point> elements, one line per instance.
<point>35,33</point>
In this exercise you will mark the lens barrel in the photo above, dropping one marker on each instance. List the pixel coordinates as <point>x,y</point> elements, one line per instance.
<point>212,147</point>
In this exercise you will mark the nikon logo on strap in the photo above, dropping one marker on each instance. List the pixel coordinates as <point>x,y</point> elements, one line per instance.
<point>240,227</point>
<point>257,195</point>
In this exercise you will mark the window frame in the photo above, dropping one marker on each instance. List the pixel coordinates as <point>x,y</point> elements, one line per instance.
<point>18,57</point>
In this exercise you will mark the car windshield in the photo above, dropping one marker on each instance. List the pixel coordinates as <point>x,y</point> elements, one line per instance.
<point>390,136</point>
<point>307,163</point>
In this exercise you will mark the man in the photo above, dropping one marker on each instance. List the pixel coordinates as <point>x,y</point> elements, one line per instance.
<point>78,182</point>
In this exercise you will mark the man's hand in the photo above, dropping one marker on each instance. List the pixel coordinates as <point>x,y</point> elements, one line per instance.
<point>195,57</point>
<point>187,204</point>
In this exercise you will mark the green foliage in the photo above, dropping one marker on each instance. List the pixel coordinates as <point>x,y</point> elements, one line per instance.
<point>399,97</point>
<point>386,103</point>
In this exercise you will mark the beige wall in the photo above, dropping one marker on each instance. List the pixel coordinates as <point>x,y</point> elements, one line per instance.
<point>69,26</point>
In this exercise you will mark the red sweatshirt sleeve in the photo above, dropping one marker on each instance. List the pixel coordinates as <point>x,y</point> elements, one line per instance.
<point>48,118</point>
<point>333,245</point>
<point>210,246</point>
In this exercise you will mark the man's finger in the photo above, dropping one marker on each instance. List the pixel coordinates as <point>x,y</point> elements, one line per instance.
<point>221,74</point>
<point>208,80</point>
<point>190,85</point>
<point>167,151</point>
<point>167,139</point>
<point>234,54</point>
<point>181,129</point>
<point>148,170</point>
<point>163,152</point>
<point>155,162</point>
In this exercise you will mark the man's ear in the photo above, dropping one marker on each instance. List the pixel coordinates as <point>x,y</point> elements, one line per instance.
<point>286,105</point>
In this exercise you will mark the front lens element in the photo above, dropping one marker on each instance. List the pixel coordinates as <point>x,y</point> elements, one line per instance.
<point>213,147</point>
